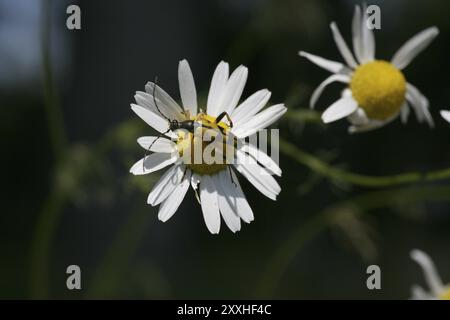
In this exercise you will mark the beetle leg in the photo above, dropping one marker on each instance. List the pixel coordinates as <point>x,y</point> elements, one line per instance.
<point>222,115</point>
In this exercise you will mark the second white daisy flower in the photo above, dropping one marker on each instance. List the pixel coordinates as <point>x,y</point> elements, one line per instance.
<point>378,91</point>
<point>438,291</point>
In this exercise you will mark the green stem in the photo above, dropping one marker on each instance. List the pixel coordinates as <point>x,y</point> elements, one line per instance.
<point>303,116</point>
<point>40,253</point>
<point>333,173</point>
<point>54,114</point>
<point>51,211</point>
<point>306,231</point>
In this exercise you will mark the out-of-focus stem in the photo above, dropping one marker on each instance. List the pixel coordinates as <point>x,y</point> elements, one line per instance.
<point>53,112</point>
<point>49,217</point>
<point>332,173</point>
<point>40,253</point>
<point>303,116</point>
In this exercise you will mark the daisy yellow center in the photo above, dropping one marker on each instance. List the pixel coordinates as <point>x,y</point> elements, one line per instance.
<point>445,295</point>
<point>192,147</point>
<point>379,88</point>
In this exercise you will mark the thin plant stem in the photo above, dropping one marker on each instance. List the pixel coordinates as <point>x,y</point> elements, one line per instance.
<point>51,211</point>
<point>332,173</point>
<point>53,112</point>
<point>40,253</point>
<point>303,116</point>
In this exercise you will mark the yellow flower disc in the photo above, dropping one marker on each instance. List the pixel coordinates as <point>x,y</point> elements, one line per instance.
<point>379,88</point>
<point>198,152</point>
<point>445,295</point>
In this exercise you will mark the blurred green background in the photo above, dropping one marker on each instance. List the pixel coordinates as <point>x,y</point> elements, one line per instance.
<point>69,139</point>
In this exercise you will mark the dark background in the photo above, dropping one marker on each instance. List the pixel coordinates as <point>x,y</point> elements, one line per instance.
<point>69,139</point>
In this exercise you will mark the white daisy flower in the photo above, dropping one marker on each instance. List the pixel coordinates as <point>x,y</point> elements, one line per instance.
<point>377,90</point>
<point>216,185</point>
<point>446,115</point>
<point>438,291</point>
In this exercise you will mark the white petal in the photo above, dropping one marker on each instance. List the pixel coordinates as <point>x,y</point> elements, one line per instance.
<point>368,40</point>
<point>152,119</point>
<point>173,201</point>
<point>335,77</point>
<point>371,125</point>
<point>146,100</point>
<point>428,116</point>
<point>260,121</point>
<point>164,101</point>
<point>357,34</point>
<point>187,87</point>
<point>346,93</point>
<point>217,89</point>
<point>332,66</point>
<point>195,181</point>
<point>340,109</point>
<point>257,175</point>
<point>413,47</point>
<point>414,98</point>
<point>166,185</point>
<point>229,215</point>
<point>358,118</point>
<point>236,198</point>
<point>420,104</point>
<point>429,270</point>
<point>418,293</point>
<point>165,98</point>
<point>446,115</point>
<point>404,113</point>
<point>210,205</point>
<point>342,46</point>
<point>233,90</point>
<point>161,144</point>
<point>153,162</point>
<point>262,158</point>
<point>251,106</point>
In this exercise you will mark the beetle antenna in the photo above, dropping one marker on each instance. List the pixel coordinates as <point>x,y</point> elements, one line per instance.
<point>147,151</point>
<point>154,100</point>
<point>231,176</point>
<point>162,114</point>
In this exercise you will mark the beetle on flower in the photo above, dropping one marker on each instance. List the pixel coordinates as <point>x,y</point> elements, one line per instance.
<point>377,90</point>
<point>216,184</point>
